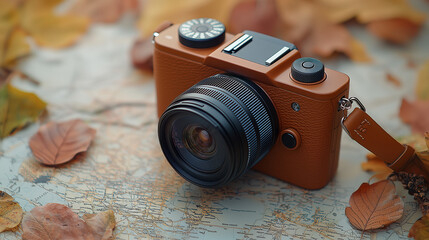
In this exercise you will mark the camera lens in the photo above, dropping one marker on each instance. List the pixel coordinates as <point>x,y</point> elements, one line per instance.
<point>199,142</point>
<point>216,130</point>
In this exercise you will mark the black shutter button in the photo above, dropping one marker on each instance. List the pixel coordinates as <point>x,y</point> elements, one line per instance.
<point>308,70</point>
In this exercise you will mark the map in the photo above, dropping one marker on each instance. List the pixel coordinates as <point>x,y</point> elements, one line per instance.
<point>125,170</point>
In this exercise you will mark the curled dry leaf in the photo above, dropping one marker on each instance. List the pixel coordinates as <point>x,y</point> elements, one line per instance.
<point>420,229</point>
<point>374,206</point>
<point>101,224</point>
<point>17,108</point>
<point>54,221</point>
<point>106,11</point>
<point>142,54</point>
<point>375,164</point>
<point>395,30</point>
<point>10,212</point>
<point>57,143</point>
<point>415,114</point>
<point>422,86</point>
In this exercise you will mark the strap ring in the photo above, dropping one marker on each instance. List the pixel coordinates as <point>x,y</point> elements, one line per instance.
<point>346,104</point>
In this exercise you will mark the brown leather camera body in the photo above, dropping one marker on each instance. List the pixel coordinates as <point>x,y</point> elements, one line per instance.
<point>316,126</point>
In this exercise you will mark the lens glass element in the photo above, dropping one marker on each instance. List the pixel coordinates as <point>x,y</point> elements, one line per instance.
<point>199,142</point>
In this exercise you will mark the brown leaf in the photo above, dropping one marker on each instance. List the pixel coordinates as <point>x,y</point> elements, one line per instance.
<point>375,164</point>
<point>102,224</point>
<point>392,79</point>
<point>142,54</point>
<point>374,206</point>
<point>264,18</point>
<point>395,30</point>
<point>17,108</point>
<point>105,11</point>
<point>422,86</point>
<point>420,229</point>
<point>57,143</point>
<point>54,221</point>
<point>10,212</point>
<point>415,114</point>
<point>427,139</point>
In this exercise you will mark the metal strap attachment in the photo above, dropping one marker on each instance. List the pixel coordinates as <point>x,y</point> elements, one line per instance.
<point>346,104</point>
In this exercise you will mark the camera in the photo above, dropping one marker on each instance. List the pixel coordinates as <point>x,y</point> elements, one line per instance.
<point>228,103</point>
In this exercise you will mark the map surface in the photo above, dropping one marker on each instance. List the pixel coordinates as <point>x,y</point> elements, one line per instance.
<point>125,170</point>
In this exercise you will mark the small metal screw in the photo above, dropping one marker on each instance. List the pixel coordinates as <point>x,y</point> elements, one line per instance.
<point>295,106</point>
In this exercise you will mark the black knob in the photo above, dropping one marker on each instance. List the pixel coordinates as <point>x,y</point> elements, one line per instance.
<point>308,70</point>
<point>201,33</point>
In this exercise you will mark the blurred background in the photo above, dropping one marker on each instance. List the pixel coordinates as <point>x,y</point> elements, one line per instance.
<point>92,60</point>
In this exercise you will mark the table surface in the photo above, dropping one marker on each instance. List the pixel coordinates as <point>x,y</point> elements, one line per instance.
<point>124,169</point>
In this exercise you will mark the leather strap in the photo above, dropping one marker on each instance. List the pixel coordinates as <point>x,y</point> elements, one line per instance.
<point>401,158</point>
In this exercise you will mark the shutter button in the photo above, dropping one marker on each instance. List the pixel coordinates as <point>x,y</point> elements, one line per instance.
<point>307,70</point>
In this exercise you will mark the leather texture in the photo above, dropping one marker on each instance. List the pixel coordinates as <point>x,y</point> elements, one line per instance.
<point>314,163</point>
<point>364,130</point>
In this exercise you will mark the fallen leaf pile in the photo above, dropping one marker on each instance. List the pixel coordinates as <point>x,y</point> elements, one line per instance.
<point>17,108</point>
<point>56,221</point>
<point>316,27</point>
<point>420,229</point>
<point>57,143</point>
<point>374,206</point>
<point>35,18</point>
<point>10,212</point>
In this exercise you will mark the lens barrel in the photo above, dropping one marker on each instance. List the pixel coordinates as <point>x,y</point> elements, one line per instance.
<point>216,130</point>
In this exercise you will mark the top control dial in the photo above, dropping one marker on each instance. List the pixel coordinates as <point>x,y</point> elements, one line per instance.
<point>201,33</point>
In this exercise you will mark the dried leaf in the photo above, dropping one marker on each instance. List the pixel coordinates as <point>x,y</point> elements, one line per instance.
<point>142,54</point>
<point>415,114</point>
<point>420,229</point>
<point>427,139</point>
<point>17,108</point>
<point>395,30</point>
<point>375,164</point>
<point>105,11</point>
<point>10,212</point>
<point>102,224</point>
<point>157,11</point>
<point>57,143</point>
<point>374,206</point>
<point>17,47</point>
<point>422,87</point>
<point>392,79</point>
<point>54,221</point>
<point>264,18</point>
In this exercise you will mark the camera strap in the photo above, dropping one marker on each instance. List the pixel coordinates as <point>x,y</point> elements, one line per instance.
<point>364,130</point>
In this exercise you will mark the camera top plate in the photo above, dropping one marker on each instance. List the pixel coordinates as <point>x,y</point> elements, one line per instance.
<point>259,48</point>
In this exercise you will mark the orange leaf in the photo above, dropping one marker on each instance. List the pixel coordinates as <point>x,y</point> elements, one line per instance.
<point>54,221</point>
<point>57,143</point>
<point>101,224</point>
<point>395,30</point>
<point>374,206</point>
<point>392,79</point>
<point>416,114</point>
<point>374,164</point>
<point>420,229</point>
<point>10,212</point>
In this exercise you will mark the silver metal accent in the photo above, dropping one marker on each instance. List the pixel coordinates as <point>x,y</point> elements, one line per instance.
<point>237,44</point>
<point>154,35</point>
<point>346,104</point>
<point>277,55</point>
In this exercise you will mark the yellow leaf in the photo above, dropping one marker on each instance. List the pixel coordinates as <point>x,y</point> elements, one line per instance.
<point>17,108</point>
<point>357,52</point>
<point>17,46</point>
<point>420,229</point>
<point>10,212</point>
<point>157,11</point>
<point>101,224</point>
<point>422,87</point>
<point>54,31</point>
